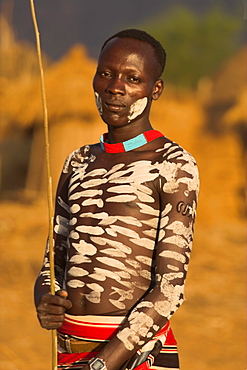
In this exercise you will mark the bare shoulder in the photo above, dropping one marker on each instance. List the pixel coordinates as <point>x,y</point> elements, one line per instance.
<point>170,151</point>
<point>76,158</point>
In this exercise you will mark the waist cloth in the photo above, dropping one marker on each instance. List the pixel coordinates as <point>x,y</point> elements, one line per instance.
<point>94,330</point>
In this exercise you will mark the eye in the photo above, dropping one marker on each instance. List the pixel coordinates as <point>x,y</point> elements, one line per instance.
<point>134,79</point>
<point>104,74</point>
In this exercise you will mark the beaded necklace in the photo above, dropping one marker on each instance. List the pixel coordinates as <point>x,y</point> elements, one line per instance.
<point>131,144</point>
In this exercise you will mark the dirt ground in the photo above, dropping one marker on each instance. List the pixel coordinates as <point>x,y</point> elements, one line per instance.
<point>210,326</point>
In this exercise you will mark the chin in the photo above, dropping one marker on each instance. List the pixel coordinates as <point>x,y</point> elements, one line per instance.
<point>114,120</point>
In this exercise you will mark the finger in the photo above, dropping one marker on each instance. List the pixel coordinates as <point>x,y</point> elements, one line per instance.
<point>49,309</point>
<point>50,321</point>
<point>62,293</point>
<point>50,325</point>
<point>157,348</point>
<point>50,299</point>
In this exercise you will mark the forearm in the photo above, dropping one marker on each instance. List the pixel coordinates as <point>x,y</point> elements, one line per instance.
<point>115,354</point>
<point>39,290</point>
<point>139,328</point>
<point>43,281</point>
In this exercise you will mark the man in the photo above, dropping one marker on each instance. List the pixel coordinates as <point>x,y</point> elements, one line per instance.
<point>123,230</point>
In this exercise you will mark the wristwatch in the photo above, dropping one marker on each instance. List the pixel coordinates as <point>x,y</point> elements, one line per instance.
<point>97,364</point>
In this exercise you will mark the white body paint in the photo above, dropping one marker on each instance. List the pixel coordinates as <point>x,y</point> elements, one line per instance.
<point>137,108</point>
<point>109,221</point>
<point>98,102</point>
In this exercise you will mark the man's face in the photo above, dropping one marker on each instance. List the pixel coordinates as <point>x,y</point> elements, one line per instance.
<point>126,82</point>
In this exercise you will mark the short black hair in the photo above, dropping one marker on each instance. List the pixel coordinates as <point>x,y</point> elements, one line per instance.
<point>141,35</point>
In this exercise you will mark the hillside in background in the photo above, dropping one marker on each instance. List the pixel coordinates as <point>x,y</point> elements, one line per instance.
<point>209,121</point>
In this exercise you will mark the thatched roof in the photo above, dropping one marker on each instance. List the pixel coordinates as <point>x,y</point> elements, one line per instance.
<point>68,93</point>
<point>228,83</point>
<point>69,85</point>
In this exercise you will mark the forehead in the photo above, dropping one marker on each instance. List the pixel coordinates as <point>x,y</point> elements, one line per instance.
<point>129,51</point>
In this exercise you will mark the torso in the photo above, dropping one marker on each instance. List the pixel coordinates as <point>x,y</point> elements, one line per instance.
<point>114,218</point>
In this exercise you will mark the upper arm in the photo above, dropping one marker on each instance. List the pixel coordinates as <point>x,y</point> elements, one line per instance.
<point>178,199</point>
<point>60,230</point>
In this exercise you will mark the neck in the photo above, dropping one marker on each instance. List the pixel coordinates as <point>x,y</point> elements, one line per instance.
<point>120,134</point>
<point>134,143</point>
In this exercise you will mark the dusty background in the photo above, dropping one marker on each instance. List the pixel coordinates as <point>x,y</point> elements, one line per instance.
<point>210,122</point>
<point>210,326</point>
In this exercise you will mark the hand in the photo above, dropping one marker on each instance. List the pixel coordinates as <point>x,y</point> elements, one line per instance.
<point>51,309</point>
<point>138,359</point>
<point>85,367</point>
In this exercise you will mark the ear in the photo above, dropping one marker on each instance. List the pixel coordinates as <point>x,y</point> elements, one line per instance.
<point>157,89</point>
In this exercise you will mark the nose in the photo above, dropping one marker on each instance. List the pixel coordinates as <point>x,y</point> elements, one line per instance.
<point>115,86</point>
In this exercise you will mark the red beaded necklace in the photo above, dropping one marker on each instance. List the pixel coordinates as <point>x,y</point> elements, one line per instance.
<point>134,143</point>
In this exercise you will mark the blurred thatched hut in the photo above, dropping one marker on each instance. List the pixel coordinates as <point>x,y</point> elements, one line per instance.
<point>225,90</point>
<point>71,109</point>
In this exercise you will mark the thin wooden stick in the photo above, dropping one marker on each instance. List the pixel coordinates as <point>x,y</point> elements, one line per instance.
<point>49,179</point>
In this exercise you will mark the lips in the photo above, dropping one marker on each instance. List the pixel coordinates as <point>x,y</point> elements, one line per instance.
<point>114,105</point>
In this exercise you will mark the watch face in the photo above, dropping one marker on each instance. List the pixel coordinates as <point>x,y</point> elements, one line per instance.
<point>98,364</point>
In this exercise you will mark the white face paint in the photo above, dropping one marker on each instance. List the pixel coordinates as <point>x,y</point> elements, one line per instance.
<point>137,108</point>
<point>98,102</point>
